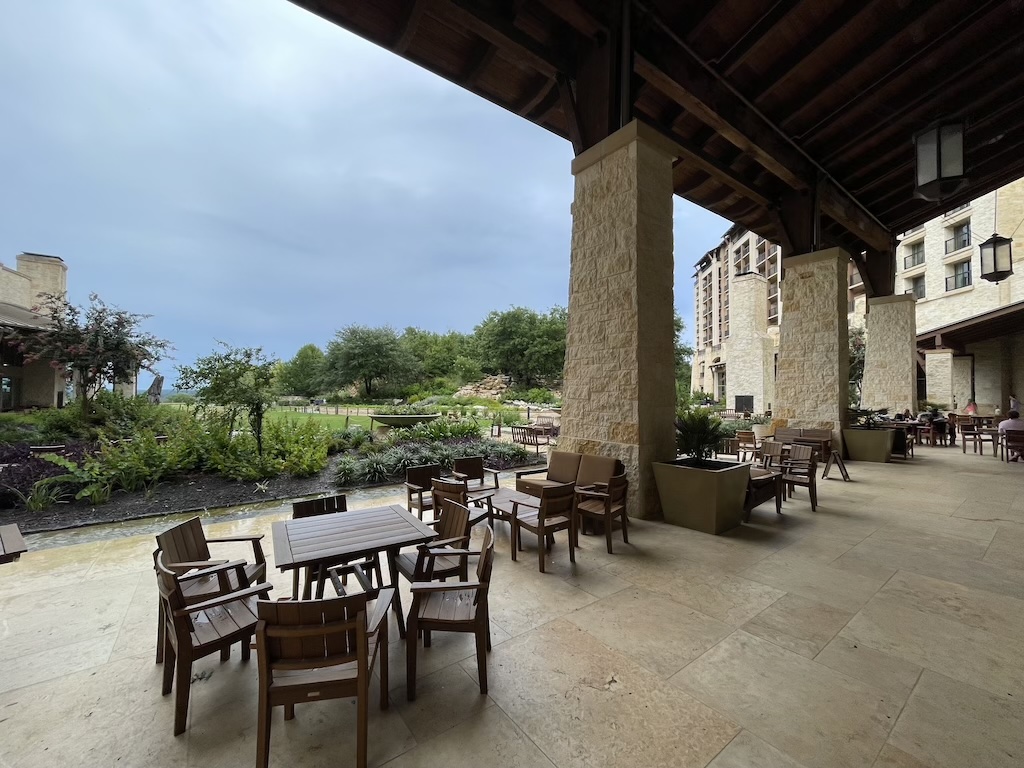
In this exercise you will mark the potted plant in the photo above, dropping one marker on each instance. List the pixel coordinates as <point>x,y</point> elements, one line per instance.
<point>762,426</point>
<point>867,439</point>
<point>696,491</point>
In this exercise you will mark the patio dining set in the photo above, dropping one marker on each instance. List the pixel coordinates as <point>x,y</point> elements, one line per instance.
<point>310,647</point>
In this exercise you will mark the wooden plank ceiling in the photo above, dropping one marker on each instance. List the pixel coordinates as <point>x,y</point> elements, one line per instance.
<point>770,100</point>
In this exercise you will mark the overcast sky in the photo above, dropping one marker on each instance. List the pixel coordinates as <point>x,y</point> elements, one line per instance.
<point>243,170</point>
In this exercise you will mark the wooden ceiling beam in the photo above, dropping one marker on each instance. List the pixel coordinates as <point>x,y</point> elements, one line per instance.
<point>478,63</point>
<point>737,54</point>
<point>577,17</point>
<point>408,29</point>
<point>539,94</point>
<point>572,117</point>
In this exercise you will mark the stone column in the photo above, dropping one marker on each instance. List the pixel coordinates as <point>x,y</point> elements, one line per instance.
<point>619,389</point>
<point>963,379</point>
<point>938,371</point>
<point>749,345</point>
<point>813,384</point>
<point>890,356</point>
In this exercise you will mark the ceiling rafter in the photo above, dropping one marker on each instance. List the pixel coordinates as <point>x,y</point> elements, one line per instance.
<point>408,29</point>
<point>737,54</point>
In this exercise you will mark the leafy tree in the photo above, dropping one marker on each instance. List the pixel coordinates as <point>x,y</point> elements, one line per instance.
<point>363,355</point>
<point>857,347</point>
<point>683,356</point>
<point>235,380</point>
<point>93,346</point>
<point>303,374</point>
<point>437,353</point>
<point>523,344</point>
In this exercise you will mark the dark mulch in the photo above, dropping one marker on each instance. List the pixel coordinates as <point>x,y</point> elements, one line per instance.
<point>191,493</point>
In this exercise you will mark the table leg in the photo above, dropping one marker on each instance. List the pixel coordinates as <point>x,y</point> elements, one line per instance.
<point>396,604</point>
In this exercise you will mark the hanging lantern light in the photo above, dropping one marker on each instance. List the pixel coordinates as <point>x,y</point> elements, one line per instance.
<point>996,258</point>
<point>939,153</point>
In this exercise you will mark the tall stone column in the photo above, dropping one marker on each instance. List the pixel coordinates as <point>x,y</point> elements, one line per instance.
<point>619,389</point>
<point>751,351</point>
<point>813,383</point>
<point>938,371</point>
<point>890,357</point>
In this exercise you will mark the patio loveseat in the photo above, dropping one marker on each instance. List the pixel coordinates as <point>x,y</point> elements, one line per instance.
<point>564,467</point>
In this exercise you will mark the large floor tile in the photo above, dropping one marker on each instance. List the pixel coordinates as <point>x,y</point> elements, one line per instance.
<point>813,713</point>
<point>798,624</point>
<point>895,676</point>
<point>656,632</point>
<point>31,668</point>
<point>949,724</point>
<point>521,598</point>
<point>821,583</point>
<point>748,751</point>
<point>585,705</point>
<point>1007,547</point>
<point>443,700</point>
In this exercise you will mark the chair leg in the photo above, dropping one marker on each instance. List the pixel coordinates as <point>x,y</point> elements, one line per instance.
<point>517,541</point>
<point>481,657</point>
<point>625,526</point>
<point>225,654</point>
<point>410,657</point>
<point>159,631</point>
<point>608,533</point>
<point>572,548</point>
<point>289,711</point>
<point>812,489</point>
<point>263,730</point>
<point>183,682</point>
<point>169,658</point>
<point>362,721</point>
<point>385,679</point>
<point>246,647</point>
<point>540,551</point>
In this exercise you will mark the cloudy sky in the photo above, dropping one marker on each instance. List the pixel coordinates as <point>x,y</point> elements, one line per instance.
<point>245,171</point>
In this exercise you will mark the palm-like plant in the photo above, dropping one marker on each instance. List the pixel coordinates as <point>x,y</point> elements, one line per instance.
<point>698,433</point>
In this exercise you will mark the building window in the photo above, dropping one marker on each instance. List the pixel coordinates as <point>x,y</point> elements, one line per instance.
<point>961,276</point>
<point>961,237</point>
<point>915,255</point>
<point>851,306</point>
<point>742,258</point>
<point>917,286</point>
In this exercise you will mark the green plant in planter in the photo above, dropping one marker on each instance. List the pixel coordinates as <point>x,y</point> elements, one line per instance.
<point>760,418</point>
<point>866,417</point>
<point>935,410</point>
<point>698,433</point>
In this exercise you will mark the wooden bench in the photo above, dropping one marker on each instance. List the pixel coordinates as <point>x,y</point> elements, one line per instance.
<point>11,543</point>
<point>529,436</point>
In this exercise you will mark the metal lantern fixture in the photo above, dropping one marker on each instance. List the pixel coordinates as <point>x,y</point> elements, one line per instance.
<point>996,258</point>
<point>939,152</point>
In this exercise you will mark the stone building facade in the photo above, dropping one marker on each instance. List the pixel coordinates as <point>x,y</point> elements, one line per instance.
<point>35,385</point>
<point>937,271</point>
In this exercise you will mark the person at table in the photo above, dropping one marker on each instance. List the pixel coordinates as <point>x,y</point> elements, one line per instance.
<point>971,409</point>
<point>907,415</point>
<point>1014,422</point>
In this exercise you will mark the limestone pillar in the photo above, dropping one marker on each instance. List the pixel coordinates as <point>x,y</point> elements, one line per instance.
<point>813,384</point>
<point>751,353</point>
<point>619,388</point>
<point>963,381</point>
<point>890,355</point>
<point>938,371</point>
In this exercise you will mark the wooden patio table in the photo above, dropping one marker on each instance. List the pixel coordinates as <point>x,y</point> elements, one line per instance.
<point>326,540</point>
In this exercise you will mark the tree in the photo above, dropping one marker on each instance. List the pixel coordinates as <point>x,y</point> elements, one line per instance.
<point>858,343</point>
<point>523,344</point>
<point>303,374</point>
<point>683,366</point>
<point>437,353</point>
<point>93,346</point>
<point>363,355</point>
<point>236,380</point>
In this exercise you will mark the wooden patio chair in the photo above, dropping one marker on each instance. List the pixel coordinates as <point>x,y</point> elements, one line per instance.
<point>800,469</point>
<point>452,532</point>
<point>313,650</point>
<point>903,443</point>
<point>193,631</point>
<point>472,470</point>
<point>604,503</point>
<point>364,569</point>
<point>786,435</point>
<point>747,445</point>
<point>458,491</point>
<point>763,485</point>
<point>453,606</point>
<point>417,487</point>
<point>1011,444</point>
<point>186,549</point>
<point>553,513</point>
<point>772,454</point>
<point>527,436</point>
<point>969,432</point>
<point>730,447</point>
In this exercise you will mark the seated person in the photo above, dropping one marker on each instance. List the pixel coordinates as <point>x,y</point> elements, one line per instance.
<point>972,408</point>
<point>907,415</point>
<point>1014,422</point>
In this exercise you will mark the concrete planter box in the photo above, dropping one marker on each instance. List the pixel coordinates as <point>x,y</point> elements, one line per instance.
<point>869,444</point>
<point>707,499</point>
<point>761,431</point>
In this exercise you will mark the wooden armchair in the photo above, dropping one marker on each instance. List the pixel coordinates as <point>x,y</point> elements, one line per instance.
<point>454,606</point>
<point>192,631</point>
<point>417,487</point>
<point>1011,444</point>
<point>472,470</point>
<point>605,503</point>
<point>186,548</point>
<point>553,513</point>
<point>799,469</point>
<point>772,454</point>
<point>458,491</point>
<point>429,561</point>
<point>763,485</point>
<point>747,444</point>
<point>320,649</point>
<point>730,447</point>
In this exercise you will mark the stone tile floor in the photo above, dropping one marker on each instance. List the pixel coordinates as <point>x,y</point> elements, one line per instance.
<point>886,629</point>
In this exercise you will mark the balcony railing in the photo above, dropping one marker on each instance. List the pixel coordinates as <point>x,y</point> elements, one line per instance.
<point>914,259</point>
<point>958,280</point>
<point>912,230</point>
<point>955,243</point>
<point>957,209</point>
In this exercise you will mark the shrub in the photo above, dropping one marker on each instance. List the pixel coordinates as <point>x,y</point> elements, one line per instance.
<point>536,395</point>
<point>60,425</point>
<point>19,428</point>
<point>698,434</point>
<point>301,446</point>
<point>439,429</point>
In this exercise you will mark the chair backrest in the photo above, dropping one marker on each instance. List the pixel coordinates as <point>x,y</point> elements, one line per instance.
<point>746,437</point>
<point>729,446</point>
<point>563,467</point>
<point>556,500</point>
<point>470,467</point>
<point>454,520</point>
<point>618,488</point>
<point>596,469</point>
<point>326,505</point>
<point>799,452</point>
<point>184,543</point>
<point>1013,438</point>
<point>771,450</point>
<point>544,421</point>
<point>167,583</point>
<point>423,474</point>
<point>817,434</point>
<point>786,435</point>
<point>967,427</point>
<point>310,634</point>
<point>484,563</point>
<point>453,490</point>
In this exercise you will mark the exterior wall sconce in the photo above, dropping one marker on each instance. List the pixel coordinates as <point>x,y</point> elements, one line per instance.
<point>939,152</point>
<point>996,258</point>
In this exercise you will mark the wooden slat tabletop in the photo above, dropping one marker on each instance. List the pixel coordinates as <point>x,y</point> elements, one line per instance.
<point>11,543</point>
<point>346,535</point>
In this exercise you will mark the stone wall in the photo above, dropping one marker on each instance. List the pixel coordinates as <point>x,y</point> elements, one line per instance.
<point>749,345</point>
<point>963,373</point>
<point>619,382</point>
<point>814,364</point>
<point>48,274</point>
<point>890,359</point>
<point>938,371</point>
<point>988,372</point>
<point>15,288</point>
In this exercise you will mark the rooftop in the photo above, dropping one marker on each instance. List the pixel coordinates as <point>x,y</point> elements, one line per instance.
<point>885,629</point>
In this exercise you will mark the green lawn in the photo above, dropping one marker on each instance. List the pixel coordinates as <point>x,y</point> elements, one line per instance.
<point>328,420</point>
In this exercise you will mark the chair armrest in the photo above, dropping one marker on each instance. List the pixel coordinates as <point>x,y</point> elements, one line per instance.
<point>380,609</point>
<point>205,569</point>
<point>525,472</point>
<point>197,565</point>
<point>414,488</point>
<point>459,475</point>
<point>443,586</point>
<point>451,552</point>
<point>585,491</point>
<point>229,597</point>
<point>255,539</point>
<point>439,543</point>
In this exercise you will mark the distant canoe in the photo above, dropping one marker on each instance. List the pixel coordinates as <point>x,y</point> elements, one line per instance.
<point>403,419</point>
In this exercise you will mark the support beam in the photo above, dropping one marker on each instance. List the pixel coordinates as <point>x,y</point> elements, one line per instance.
<point>577,17</point>
<point>878,270</point>
<point>796,216</point>
<point>572,118</point>
<point>408,29</point>
<point>838,206</point>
